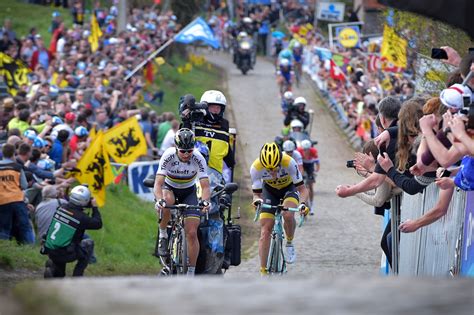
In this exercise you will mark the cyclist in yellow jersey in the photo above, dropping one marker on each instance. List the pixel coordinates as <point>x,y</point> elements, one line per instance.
<point>275,176</point>
<point>212,129</point>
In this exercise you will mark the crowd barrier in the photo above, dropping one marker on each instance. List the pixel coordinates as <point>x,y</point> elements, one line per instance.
<point>442,248</point>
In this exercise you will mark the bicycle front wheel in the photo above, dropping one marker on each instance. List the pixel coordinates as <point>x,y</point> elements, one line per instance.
<point>183,253</point>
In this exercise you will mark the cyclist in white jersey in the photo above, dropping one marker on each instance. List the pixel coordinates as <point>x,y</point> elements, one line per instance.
<point>176,177</point>
<point>289,147</point>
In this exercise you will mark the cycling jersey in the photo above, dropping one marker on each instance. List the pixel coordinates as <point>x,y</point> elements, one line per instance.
<point>286,74</point>
<point>297,157</point>
<point>287,175</point>
<point>297,55</point>
<point>179,174</point>
<point>311,156</point>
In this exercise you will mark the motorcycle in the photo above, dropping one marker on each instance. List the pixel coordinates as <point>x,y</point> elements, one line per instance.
<point>244,54</point>
<point>219,241</point>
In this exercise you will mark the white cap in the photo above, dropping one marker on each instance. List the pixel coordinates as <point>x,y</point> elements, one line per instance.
<point>452,97</point>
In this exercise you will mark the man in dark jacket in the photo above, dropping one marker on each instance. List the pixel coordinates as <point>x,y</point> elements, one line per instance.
<point>64,240</point>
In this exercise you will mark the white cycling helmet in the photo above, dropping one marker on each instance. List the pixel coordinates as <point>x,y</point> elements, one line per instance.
<point>80,196</point>
<point>300,100</point>
<point>297,45</point>
<point>289,146</point>
<point>296,124</point>
<point>288,95</point>
<point>306,144</point>
<point>284,62</point>
<point>214,97</point>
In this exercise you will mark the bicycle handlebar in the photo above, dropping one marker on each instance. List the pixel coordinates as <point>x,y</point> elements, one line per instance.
<point>278,207</point>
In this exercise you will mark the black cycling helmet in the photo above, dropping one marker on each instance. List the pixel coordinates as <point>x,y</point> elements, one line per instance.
<point>184,139</point>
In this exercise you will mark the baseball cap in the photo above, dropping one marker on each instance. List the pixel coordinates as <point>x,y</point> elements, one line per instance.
<point>30,134</point>
<point>452,97</point>
<point>81,131</point>
<point>38,143</point>
<point>70,116</point>
<point>57,121</point>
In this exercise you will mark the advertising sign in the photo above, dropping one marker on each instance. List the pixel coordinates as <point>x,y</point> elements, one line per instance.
<point>137,172</point>
<point>348,36</point>
<point>331,11</point>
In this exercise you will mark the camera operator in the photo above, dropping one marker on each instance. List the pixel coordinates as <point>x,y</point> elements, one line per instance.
<point>64,241</point>
<point>207,121</point>
<point>297,111</point>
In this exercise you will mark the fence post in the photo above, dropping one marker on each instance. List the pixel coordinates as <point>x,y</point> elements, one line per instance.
<point>395,215</point>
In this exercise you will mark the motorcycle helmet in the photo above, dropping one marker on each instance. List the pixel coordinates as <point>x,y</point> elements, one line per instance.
<point>306,144</point>
<point>296,124</point>
<point>80,196</point>
<point>184,139</point>
<point>289,146</point>
<point>299,100</point>
<point>214,97</point>
<point>247,20</point>
<point>270,155</point>
<point>242,35</point>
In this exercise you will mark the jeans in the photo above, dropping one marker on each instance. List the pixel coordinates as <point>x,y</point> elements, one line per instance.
<point>14,217</point>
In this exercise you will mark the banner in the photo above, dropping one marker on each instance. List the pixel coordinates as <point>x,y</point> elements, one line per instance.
<point>96,33</point>
<point>394,48</point>
<point>431,74</point>
<point>331,11</point>
<point>137,172</point>
<point>467,255</point>
<point>197,30</point>
<point>14,73</point>
<point>125,142</point>
<point>95,169</point>
<point>348,36</point>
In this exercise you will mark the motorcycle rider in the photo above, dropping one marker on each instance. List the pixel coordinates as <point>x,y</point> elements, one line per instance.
<point>297,111</point>
<point>211,129</point>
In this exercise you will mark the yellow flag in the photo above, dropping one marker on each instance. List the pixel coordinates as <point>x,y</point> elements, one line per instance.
<point>92,133</point>
<point>160,61</point>
<point>14,72</point>
<point>125,142</point>
<point>94,169</point>
<point>394,48</point>
<point>96,33</point>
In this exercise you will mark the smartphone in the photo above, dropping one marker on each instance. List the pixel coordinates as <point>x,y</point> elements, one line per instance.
<point>438,53</point>
<point>446,173</point>
<point>471,50</point>
<point>382,149</point>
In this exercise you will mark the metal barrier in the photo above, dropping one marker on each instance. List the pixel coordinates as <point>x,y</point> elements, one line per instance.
<point>433,250</point>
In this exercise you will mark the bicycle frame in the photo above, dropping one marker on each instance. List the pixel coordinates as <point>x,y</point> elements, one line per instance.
<point>276,262</point>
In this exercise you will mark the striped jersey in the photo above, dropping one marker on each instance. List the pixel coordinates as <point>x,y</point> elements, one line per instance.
<point>180,174</point>
<point>288,173</point>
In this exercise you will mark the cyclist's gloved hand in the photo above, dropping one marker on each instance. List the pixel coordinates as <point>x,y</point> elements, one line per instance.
<point>257,202</point>
<point>160,204</point>
<point>304,209</point>
<point>206,204</point>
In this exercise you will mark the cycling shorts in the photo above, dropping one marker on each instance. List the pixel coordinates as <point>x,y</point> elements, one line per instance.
<point>275,197</point>
<point>309,175</point>
<point>187,196</point>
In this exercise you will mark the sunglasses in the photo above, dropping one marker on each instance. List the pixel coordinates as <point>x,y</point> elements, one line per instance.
<point>189,151</point>
<point>47,146</point>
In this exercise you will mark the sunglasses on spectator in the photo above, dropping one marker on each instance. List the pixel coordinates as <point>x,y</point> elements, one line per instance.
<point>189,151</point>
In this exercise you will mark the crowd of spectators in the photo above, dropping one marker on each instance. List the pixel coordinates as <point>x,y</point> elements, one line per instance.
<point>44,128</point>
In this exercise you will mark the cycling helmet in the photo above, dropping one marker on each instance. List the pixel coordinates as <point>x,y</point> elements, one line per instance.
<point>306,144</point>
<point>288,96</point>
<point>284,63</point>
<point>270,155</point>
<point>286,54</point>
<point>289,146</point>
<point>296,124</point>
<point>81,131</point>
<point>203,149</point>
<point>297,45</point>
<point>80,196</point>
<point>300,100</point>
<point>214,97</point>
<point>184,139</point>
<point>29,134</point>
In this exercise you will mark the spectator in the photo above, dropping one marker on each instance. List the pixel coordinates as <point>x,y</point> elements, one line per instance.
<point>45,210</point>
<point>57,151</point>
<point>168,141</point>
<point>164,127</point>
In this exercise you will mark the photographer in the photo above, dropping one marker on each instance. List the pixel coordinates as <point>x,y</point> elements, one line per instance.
<point>297,112</point>
<point>207,121</point>
<point>64,241</point>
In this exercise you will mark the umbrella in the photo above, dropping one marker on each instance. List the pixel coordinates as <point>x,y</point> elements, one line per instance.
<point>278,34</point>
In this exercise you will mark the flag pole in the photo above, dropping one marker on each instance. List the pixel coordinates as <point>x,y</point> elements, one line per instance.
<point>143,63</point>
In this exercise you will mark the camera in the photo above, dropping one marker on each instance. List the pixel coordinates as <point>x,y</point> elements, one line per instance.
<point>350,164</point>
<point>468,110</point>
<point>197,111</point>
